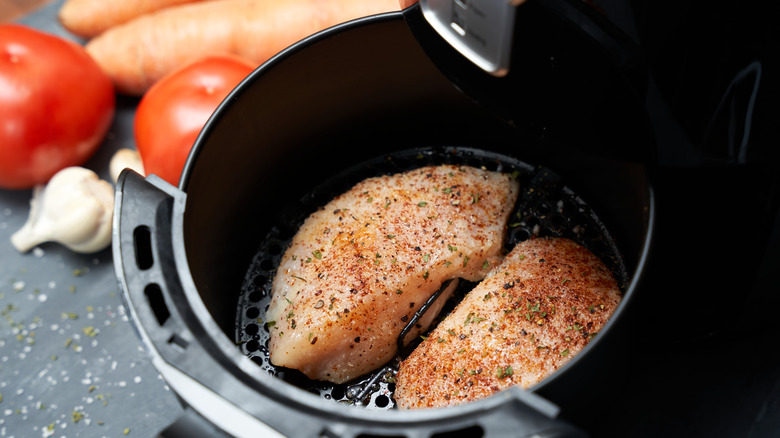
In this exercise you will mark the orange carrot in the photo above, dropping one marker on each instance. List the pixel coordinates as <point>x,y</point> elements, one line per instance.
<point>138,53</point>
<point>88,18</point>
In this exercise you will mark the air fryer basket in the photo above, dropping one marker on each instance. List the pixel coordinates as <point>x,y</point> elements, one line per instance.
<point>545,207</point>
<point>353,94</point>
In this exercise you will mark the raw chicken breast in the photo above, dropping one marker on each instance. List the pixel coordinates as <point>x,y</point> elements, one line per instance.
<point>360,267</point>
<point>532,314</point>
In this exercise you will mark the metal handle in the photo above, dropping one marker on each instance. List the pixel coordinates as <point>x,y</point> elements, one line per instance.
<point>480,30</point>
<point>574,80</point>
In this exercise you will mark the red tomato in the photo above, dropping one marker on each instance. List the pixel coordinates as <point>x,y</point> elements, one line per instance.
<point>174,110</point>
<point>56,105</point>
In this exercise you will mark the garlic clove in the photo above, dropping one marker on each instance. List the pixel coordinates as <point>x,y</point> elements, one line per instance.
<point>125,158</point>
<point>74,209</point>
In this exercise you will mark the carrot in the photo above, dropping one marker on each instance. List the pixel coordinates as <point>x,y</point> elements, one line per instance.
<point>89,18</point>
<point>138,53</point>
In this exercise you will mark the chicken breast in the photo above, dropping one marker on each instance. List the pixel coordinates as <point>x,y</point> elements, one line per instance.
<point>532,314</point>
<point>360,267</point>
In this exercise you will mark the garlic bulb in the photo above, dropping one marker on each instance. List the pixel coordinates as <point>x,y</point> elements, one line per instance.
<point>75,209</point>
<point>125,158</point>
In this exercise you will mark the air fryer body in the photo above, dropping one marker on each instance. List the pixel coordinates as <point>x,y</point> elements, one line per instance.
<point>369,89</point>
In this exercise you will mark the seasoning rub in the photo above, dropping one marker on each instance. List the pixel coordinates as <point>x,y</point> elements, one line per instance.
<point>360,267</point>
<point>531,316</point>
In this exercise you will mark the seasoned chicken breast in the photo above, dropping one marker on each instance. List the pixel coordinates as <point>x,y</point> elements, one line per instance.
<point>360,267</point>
<point>532,314</point>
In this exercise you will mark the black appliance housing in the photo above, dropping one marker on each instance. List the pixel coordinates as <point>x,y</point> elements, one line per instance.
<point>653,159</point>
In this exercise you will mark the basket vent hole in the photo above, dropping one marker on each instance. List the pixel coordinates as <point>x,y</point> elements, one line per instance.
<point>252,329</point>
<point>382,401</point>
<point>338,393</point>
<point>157,303</point>
<point>252,346</point>
<point>471,432</point>
<point>142,240</point>
<point>267,265</point>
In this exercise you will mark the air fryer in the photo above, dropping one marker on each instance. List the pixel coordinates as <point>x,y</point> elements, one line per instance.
<point>564,107</point>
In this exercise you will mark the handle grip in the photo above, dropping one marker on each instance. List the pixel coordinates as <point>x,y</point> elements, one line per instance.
<point>144,262</point>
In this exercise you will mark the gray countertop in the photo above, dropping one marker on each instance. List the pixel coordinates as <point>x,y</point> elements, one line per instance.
<point>71,364</point>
